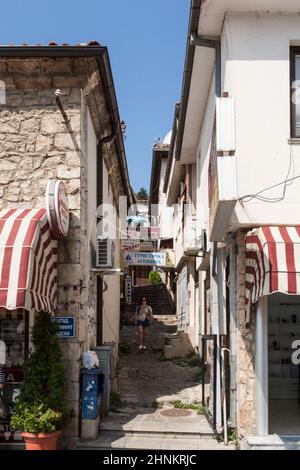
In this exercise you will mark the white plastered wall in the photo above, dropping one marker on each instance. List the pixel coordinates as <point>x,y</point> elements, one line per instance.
<point>256,71</point>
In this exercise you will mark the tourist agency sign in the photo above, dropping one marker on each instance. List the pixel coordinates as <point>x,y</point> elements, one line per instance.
<point>145,259</point>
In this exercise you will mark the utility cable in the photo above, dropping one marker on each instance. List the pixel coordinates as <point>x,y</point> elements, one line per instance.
<point>286,182</point>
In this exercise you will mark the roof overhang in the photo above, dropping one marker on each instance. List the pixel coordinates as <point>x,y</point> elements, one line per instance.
<point>100,53</point>
<point>176,174</point>
<point>159,152</point>
<point>199,63</point>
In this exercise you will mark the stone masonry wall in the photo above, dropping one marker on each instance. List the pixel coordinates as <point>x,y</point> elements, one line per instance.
<point>246,351</point>
<point>36,145</point>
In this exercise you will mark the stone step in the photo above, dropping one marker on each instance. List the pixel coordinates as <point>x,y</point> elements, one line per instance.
<point>154,304</point>
<point>272,442</point>
<point>166,317</point>
<point>135,300</point>
<point>158,297</point>
<point>153,296</point>
<point>151,287</point>
<point>156,423</point>
<point>155,301</point>
<point>173,340</point>
<point>158,309</point>
<point>158,435</point>
<point>130,314</point>
<point>155,443</point>
<point>158,431</point>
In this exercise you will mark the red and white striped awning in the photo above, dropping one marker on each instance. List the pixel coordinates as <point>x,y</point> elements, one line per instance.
<point>28,260</point>
<point>272,262</point>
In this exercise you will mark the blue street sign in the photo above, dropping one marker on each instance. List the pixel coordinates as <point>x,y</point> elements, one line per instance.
<point>66,326</point>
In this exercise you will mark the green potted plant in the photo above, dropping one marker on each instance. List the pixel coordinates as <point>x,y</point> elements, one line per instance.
<point>41,412</point>
<point>154,278</point>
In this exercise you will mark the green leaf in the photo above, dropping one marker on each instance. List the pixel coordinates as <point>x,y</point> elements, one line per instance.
<point>41,406</point>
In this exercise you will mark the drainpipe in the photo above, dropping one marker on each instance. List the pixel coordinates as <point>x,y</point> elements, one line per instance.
<point>217,259</point>
<point>99,294</point>
<point>187,184</point>
<point>224,396</point>
<point>215,291</point>
<point>221,296</point>
<point>233,332</point>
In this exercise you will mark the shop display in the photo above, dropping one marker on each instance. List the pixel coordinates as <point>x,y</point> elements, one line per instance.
<point>283,329</point>
<point>12,337</point>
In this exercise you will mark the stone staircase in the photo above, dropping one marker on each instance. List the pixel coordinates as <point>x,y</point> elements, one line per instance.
<point>158,298</point>
<point>161,327</point>
<point>164,429</point>
<point>177,345</point>
<point>150,385</point>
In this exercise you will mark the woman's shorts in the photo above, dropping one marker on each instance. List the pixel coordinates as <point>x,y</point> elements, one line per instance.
<point>143,323</point>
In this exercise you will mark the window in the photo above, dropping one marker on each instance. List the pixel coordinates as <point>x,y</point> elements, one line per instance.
<point>14,333</point>
<point>295,91</point>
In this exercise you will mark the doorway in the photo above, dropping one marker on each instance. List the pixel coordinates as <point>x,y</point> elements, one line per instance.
<point>283,374</point>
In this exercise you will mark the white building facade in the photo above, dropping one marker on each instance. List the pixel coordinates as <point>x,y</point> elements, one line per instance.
<point>234,160</point>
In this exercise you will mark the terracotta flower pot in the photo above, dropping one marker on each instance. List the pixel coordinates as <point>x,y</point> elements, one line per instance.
<point>41,441</point>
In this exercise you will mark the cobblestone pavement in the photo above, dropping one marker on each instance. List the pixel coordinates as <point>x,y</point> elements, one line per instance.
<point>145,378</point>
<point>148,384</point>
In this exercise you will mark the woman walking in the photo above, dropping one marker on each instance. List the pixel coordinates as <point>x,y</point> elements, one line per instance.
<point>143,316</point>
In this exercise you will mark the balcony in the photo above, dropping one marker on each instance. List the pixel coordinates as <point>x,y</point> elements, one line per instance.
<point>193,243</point>
<point>143,233</point>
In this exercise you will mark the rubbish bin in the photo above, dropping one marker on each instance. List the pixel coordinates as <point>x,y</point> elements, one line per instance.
<point>92,384</point>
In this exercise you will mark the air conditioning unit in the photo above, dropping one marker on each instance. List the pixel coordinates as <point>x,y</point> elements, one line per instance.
<point>105,253</point>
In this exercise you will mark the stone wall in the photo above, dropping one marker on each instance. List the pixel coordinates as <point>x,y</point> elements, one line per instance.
<point>245,351</point>
<point>36,145</point>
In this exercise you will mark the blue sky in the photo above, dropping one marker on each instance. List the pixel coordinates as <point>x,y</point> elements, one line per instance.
<point>146,41</point>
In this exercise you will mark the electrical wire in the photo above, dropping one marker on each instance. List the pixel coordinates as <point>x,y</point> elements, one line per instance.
<point>109,326</point>
<point>286,183</point>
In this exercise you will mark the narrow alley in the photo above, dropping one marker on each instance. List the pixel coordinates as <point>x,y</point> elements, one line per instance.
<point>149,230</point>
<point>159,399</point>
